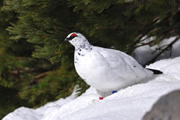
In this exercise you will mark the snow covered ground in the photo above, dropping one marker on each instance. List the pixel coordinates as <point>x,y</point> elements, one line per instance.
<point>146,52</point>
<point>130,103</point>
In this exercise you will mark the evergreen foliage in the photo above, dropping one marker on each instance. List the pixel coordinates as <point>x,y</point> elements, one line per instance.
<point>36,65</point>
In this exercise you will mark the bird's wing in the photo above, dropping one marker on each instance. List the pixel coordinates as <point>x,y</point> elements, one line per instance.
<point>115,57</point>
<point>121,61</point>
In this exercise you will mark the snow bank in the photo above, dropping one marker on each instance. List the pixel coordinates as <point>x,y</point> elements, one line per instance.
<point>146,52</point>
<point>127,104</point>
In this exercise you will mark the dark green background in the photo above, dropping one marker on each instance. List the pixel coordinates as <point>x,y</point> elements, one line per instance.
<point>36,65</point>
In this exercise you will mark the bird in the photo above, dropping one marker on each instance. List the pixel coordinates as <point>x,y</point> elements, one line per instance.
<point>107,70</point>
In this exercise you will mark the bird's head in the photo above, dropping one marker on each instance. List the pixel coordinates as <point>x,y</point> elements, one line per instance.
<point>77,40</point>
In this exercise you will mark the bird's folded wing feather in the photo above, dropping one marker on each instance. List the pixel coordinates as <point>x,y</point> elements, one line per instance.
<point>116,58</point>
<point>122,62</point>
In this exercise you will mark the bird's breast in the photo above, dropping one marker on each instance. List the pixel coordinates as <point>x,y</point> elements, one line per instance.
<point>89,65</point>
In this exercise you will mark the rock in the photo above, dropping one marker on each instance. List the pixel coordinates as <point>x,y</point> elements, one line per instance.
<point>166,108</point>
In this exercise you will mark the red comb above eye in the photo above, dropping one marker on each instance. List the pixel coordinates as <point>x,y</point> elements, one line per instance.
<point>73,35</point>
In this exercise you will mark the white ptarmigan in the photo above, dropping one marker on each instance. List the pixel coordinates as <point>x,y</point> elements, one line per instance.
<point>105,69</point>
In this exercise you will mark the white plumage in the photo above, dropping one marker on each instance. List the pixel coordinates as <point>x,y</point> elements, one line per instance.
<point>105,69</point>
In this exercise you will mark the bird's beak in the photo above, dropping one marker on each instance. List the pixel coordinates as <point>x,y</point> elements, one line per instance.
<point>66,39</point>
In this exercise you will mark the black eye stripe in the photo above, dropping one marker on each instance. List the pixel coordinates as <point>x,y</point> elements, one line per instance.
<point>71,37</point>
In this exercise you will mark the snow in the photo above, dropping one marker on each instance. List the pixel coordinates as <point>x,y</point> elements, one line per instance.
<point>148,52</point>
<point>127,104</point>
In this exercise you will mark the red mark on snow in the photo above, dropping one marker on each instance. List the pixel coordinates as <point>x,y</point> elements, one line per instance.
<point>100,98</point>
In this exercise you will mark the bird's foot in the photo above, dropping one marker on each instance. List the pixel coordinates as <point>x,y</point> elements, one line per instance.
<point>96,100</point>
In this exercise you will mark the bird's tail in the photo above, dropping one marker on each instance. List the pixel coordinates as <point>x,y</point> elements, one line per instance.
<point>155,71</point>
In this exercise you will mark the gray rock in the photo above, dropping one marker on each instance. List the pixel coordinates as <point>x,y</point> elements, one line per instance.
<point>166,108</point>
